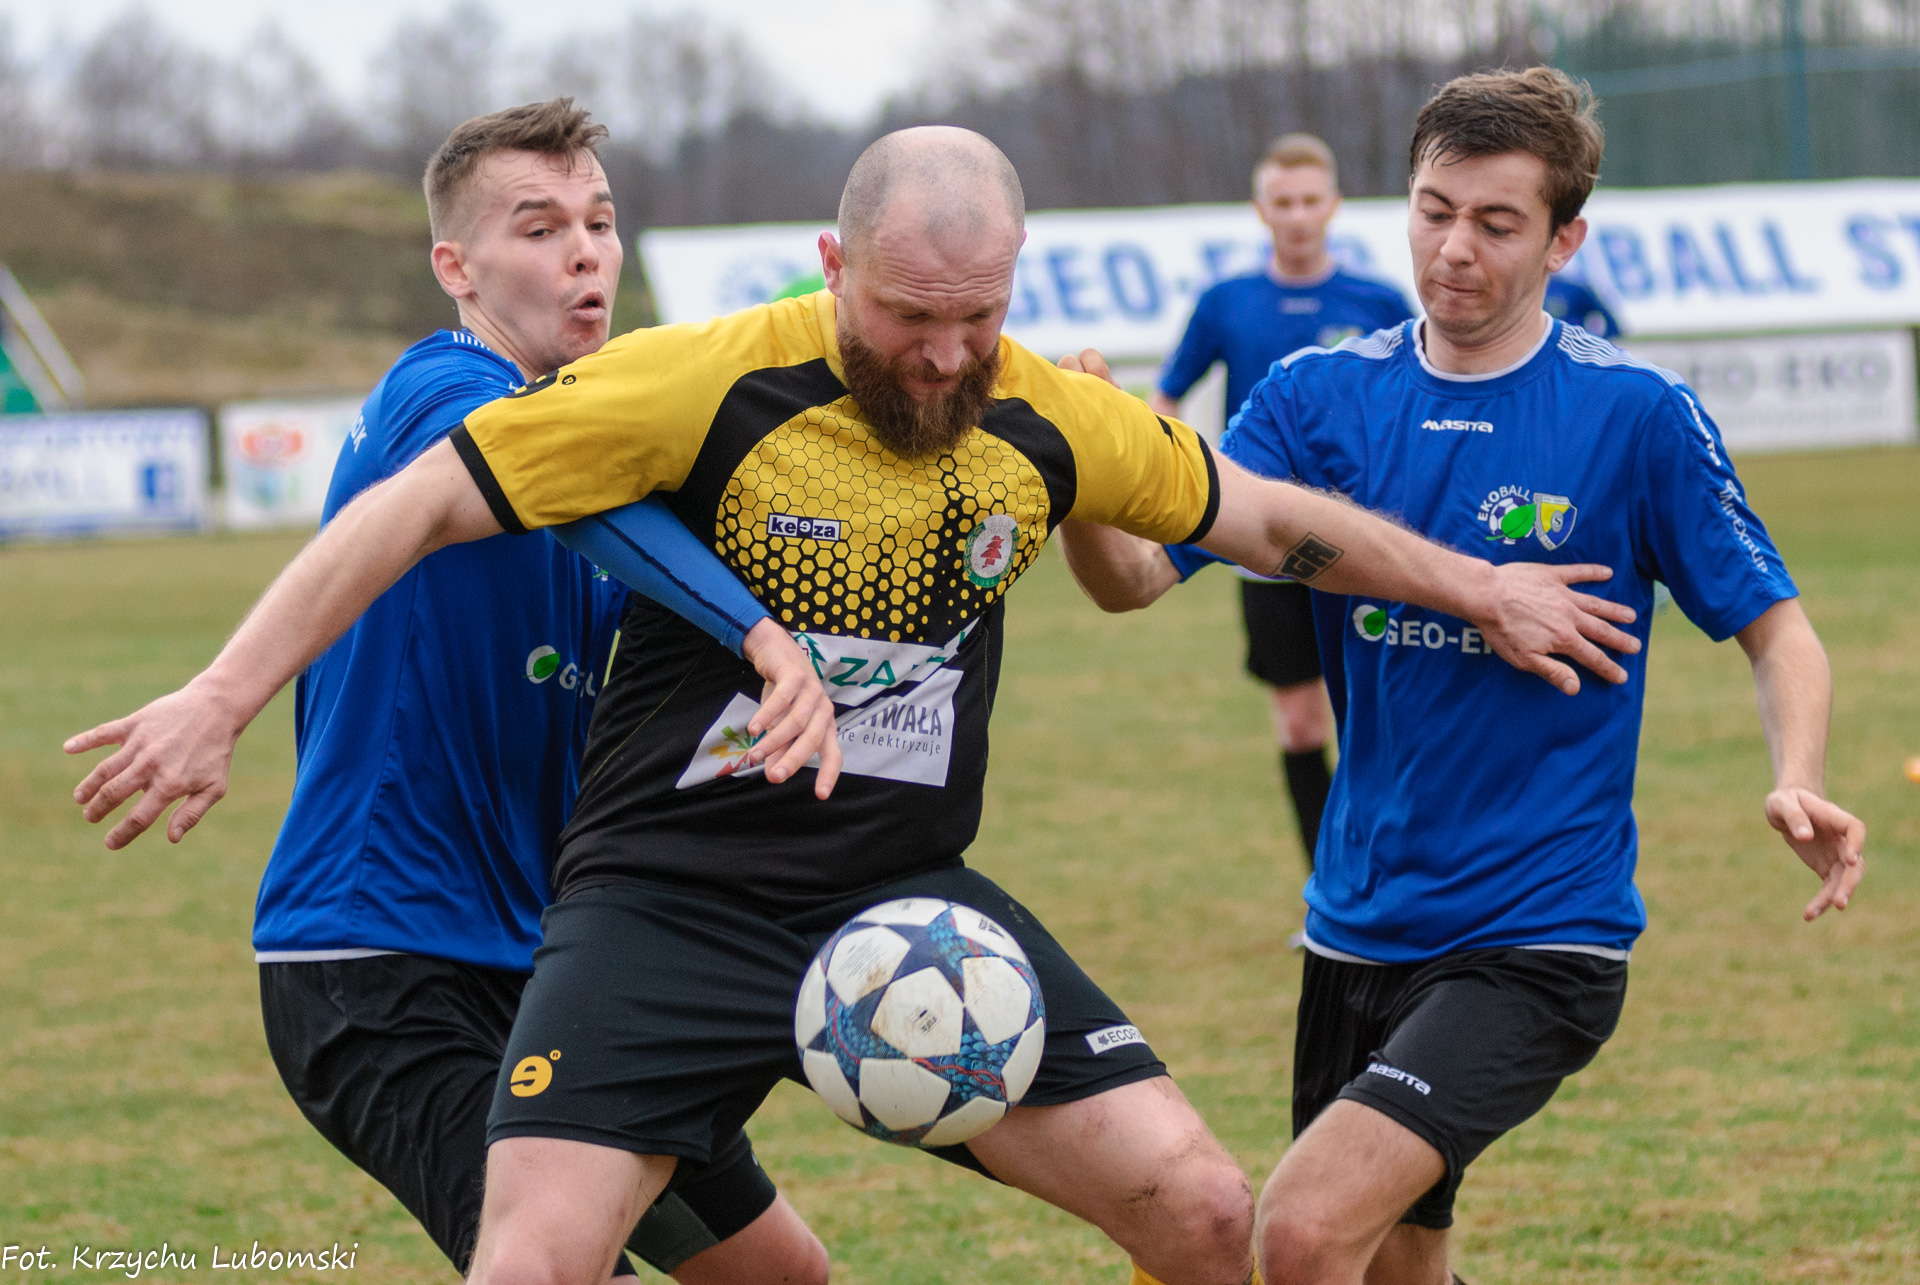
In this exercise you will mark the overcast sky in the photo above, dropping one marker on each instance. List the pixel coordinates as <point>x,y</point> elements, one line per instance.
<point>858,50</point>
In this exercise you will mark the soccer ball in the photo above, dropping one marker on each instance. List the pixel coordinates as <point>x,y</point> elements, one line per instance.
<point>920,1022</point>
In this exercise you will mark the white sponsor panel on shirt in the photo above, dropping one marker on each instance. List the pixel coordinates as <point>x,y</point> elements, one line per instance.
<point>855,670</point>
<point>887,732</point>
<point>905,737</point>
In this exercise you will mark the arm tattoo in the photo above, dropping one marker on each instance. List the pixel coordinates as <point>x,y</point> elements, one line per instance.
<point>1310,557</point>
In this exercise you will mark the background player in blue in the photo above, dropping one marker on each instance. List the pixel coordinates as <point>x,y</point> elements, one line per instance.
<point>1579,304</point>
<point>1300,298</point>
<point>1473,906</point>
<point>439,741</point>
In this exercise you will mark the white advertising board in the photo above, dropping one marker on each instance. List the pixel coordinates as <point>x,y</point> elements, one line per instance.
<point>1676,261</point>
<point>1122,281</point>
<point>1793,392</point>
<point>278,458</point>
<point>99,474</point>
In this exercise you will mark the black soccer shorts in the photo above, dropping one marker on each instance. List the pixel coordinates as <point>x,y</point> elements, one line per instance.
<point>1459,1049</point>
<point>1282,650</point>
<point>393,1058</point>
<point>661,1017</point>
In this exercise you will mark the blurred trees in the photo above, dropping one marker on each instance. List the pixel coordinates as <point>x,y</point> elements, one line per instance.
<point>1099,102</point>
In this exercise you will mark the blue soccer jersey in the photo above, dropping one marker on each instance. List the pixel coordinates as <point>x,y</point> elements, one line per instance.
<point>1474,805</point>
<point>1253,321</point>
<point>439,737</point>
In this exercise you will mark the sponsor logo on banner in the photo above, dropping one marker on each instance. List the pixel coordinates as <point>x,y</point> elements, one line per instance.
<point>270,453</point>
<point>1512,513</point>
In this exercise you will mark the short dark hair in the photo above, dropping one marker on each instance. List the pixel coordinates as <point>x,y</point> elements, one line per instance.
<point>554,128</point>
<point>1540,111</point>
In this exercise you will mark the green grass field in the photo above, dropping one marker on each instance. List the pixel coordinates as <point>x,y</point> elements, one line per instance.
<point>1757,1118</point>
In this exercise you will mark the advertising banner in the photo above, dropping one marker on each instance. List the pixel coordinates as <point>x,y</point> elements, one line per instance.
<point>1673,261</point>
<point>278,458</point>
<point>1794,392</point>
<point>99,474</point>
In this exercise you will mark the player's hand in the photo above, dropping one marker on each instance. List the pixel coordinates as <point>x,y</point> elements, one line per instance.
<point>178,747</point>
<point>1533,616</point>
<point>795,719</point>
<point>1831,840</point>
<point>1088,361</point>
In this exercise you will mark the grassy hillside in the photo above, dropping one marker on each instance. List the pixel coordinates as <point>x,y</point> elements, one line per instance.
<point>188,288</point>
<point>1753,1121</point>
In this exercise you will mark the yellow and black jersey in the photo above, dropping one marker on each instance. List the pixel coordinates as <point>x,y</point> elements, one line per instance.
<point>890,571</point>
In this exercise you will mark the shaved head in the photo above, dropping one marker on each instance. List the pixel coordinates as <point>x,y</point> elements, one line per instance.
<point>934,181</point>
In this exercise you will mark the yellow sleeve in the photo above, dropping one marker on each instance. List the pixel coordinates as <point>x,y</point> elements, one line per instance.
<point>1134,470</point>
<point>607,430</point>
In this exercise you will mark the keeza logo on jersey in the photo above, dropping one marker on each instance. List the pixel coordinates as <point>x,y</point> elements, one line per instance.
<point>1375,625</point>
<point>825,530</point>
<point>1512,513</point>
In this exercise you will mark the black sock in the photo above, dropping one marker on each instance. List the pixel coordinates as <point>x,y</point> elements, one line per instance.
<point>1308,782</point>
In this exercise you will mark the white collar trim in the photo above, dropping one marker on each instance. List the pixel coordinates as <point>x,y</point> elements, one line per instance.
<point>1420,351</point>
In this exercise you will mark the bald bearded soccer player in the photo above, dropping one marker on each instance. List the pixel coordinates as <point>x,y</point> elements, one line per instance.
<point>878,464</point>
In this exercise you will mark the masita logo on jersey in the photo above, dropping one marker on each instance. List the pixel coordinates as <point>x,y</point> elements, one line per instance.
<point>1512,513</point>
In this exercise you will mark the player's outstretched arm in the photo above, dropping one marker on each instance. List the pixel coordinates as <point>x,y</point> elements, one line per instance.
<point>179,746</point>
<point>1796,699</point>
<point>1526,610</point>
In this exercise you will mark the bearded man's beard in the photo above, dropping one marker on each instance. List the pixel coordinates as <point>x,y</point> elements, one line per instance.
<point>913,429</point>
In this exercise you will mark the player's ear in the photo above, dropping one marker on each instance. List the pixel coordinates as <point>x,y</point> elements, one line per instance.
<point>833,263</point>
<point>1566,243</point>
<point>450,269</point>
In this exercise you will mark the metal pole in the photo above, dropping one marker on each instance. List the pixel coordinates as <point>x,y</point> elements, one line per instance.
<point>1799,135</point>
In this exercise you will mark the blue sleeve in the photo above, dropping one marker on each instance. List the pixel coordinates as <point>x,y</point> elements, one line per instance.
<point>646,548</point>
<point>1255,441</point>
<point>434,401</point>
<point>1693,529</point>
<point>1199,349</point>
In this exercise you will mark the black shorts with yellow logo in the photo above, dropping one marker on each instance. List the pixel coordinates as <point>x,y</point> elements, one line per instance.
<point>660,1017</point>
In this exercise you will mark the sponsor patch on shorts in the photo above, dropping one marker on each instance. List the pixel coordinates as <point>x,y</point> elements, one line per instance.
<point>1413,1082</point>
<point>1112,1037</point>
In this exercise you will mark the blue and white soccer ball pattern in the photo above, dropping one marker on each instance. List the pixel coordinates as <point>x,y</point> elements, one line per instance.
<point>920,1022</point>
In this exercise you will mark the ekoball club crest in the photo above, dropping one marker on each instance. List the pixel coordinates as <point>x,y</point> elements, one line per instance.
<point>1512,513</point>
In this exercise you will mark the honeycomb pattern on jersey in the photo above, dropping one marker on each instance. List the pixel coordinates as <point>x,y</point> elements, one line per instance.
<point>899,570</point>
